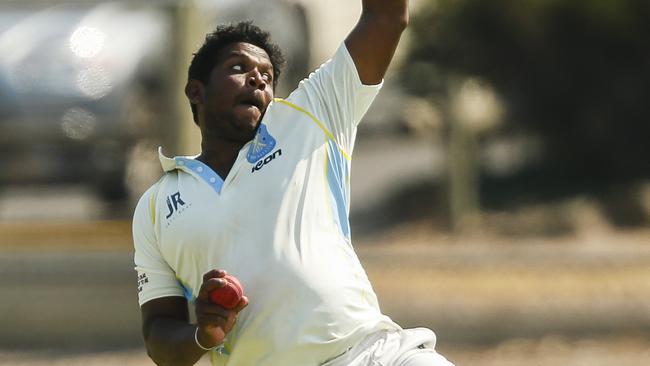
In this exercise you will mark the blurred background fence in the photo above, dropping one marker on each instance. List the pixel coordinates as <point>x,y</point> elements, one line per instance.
<point>501,182</point>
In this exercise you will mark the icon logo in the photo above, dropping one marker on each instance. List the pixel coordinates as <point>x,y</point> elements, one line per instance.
<point>263,143</point>
<point>260,164</point>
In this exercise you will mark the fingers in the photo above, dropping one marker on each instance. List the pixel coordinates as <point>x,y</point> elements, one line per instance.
<point>215,273</point>
<point>208,307</point>
<point>230,322</point>
<point>214,321</point>
<point>241,305</point>
<point>212,280</point>
<point>209,286</point>
<point>211,321</point>
<point>210,314</point>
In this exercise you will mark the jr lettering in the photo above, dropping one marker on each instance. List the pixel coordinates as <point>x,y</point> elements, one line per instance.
<point>173,202</point>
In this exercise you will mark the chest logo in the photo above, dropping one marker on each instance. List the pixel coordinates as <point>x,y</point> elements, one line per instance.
<point>263,143</point>
<point>174,202</point>
<point>260,164</point>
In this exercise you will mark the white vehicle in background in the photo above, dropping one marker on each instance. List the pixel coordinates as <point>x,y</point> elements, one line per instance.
<point>80,85</point>
<point>88,89</point>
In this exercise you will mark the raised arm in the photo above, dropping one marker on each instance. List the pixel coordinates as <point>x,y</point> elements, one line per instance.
<point>373,40</point>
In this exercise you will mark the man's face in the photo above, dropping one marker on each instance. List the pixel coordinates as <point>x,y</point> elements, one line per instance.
<point>239,89</point>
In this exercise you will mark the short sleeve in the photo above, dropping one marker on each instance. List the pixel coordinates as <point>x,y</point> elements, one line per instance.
<point>335,95</point>
<point>155,277</point>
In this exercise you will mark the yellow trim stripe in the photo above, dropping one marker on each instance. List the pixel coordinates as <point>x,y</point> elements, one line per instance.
<point>152,208</point>
<point>153,198</point>
<point>319,123</point>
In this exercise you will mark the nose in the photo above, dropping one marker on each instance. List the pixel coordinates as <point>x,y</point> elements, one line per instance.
<point>256,80</point>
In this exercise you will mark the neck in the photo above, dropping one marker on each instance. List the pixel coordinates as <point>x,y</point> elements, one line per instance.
<point>219,155</point>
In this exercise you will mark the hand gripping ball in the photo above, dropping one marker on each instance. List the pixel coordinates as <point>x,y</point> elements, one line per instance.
<point>229,295</point>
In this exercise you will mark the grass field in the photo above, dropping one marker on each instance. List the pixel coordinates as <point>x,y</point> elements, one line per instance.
<point>68,295</point>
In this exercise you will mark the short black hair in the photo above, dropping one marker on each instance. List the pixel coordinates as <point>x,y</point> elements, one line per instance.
<point>205,58</point>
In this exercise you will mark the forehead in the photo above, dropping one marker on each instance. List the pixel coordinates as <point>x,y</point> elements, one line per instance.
<point>243,49</point>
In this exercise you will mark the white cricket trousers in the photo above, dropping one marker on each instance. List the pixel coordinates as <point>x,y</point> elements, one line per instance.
<point>403,347</point>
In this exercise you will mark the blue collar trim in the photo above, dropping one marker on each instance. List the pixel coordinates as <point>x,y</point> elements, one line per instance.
<point>199,168</point>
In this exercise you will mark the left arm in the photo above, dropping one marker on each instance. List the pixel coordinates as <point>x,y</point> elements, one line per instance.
<point>340,92</point>
<point>374,39</point>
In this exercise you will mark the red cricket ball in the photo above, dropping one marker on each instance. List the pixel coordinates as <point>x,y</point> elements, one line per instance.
<point>229,295</point>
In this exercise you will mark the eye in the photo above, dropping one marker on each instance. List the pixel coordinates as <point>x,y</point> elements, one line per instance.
<point>266,76</point>
<point>237,67</point>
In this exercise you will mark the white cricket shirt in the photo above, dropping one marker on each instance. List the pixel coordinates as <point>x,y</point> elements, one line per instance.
<point>278,222</point>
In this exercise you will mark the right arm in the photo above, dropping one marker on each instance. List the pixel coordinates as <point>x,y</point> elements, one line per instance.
<point>168,335</point>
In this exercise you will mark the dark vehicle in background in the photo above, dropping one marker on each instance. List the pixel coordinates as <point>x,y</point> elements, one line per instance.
<point>80,86</point>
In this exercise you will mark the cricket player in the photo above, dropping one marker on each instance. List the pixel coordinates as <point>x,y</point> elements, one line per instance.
<point>267,201</point>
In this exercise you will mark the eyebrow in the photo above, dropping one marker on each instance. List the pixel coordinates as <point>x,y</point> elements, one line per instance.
<point>236,54</point>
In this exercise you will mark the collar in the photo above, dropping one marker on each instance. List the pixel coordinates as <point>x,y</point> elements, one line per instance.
<point>190,165</point>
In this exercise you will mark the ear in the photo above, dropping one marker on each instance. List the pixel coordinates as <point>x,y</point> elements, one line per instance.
<point>195,91</point>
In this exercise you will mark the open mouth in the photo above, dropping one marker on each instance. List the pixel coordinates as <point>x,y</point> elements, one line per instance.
<point>250,105</point>
<point>253,102</point>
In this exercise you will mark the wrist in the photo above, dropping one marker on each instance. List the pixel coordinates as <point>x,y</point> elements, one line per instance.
<point>198,342</point>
